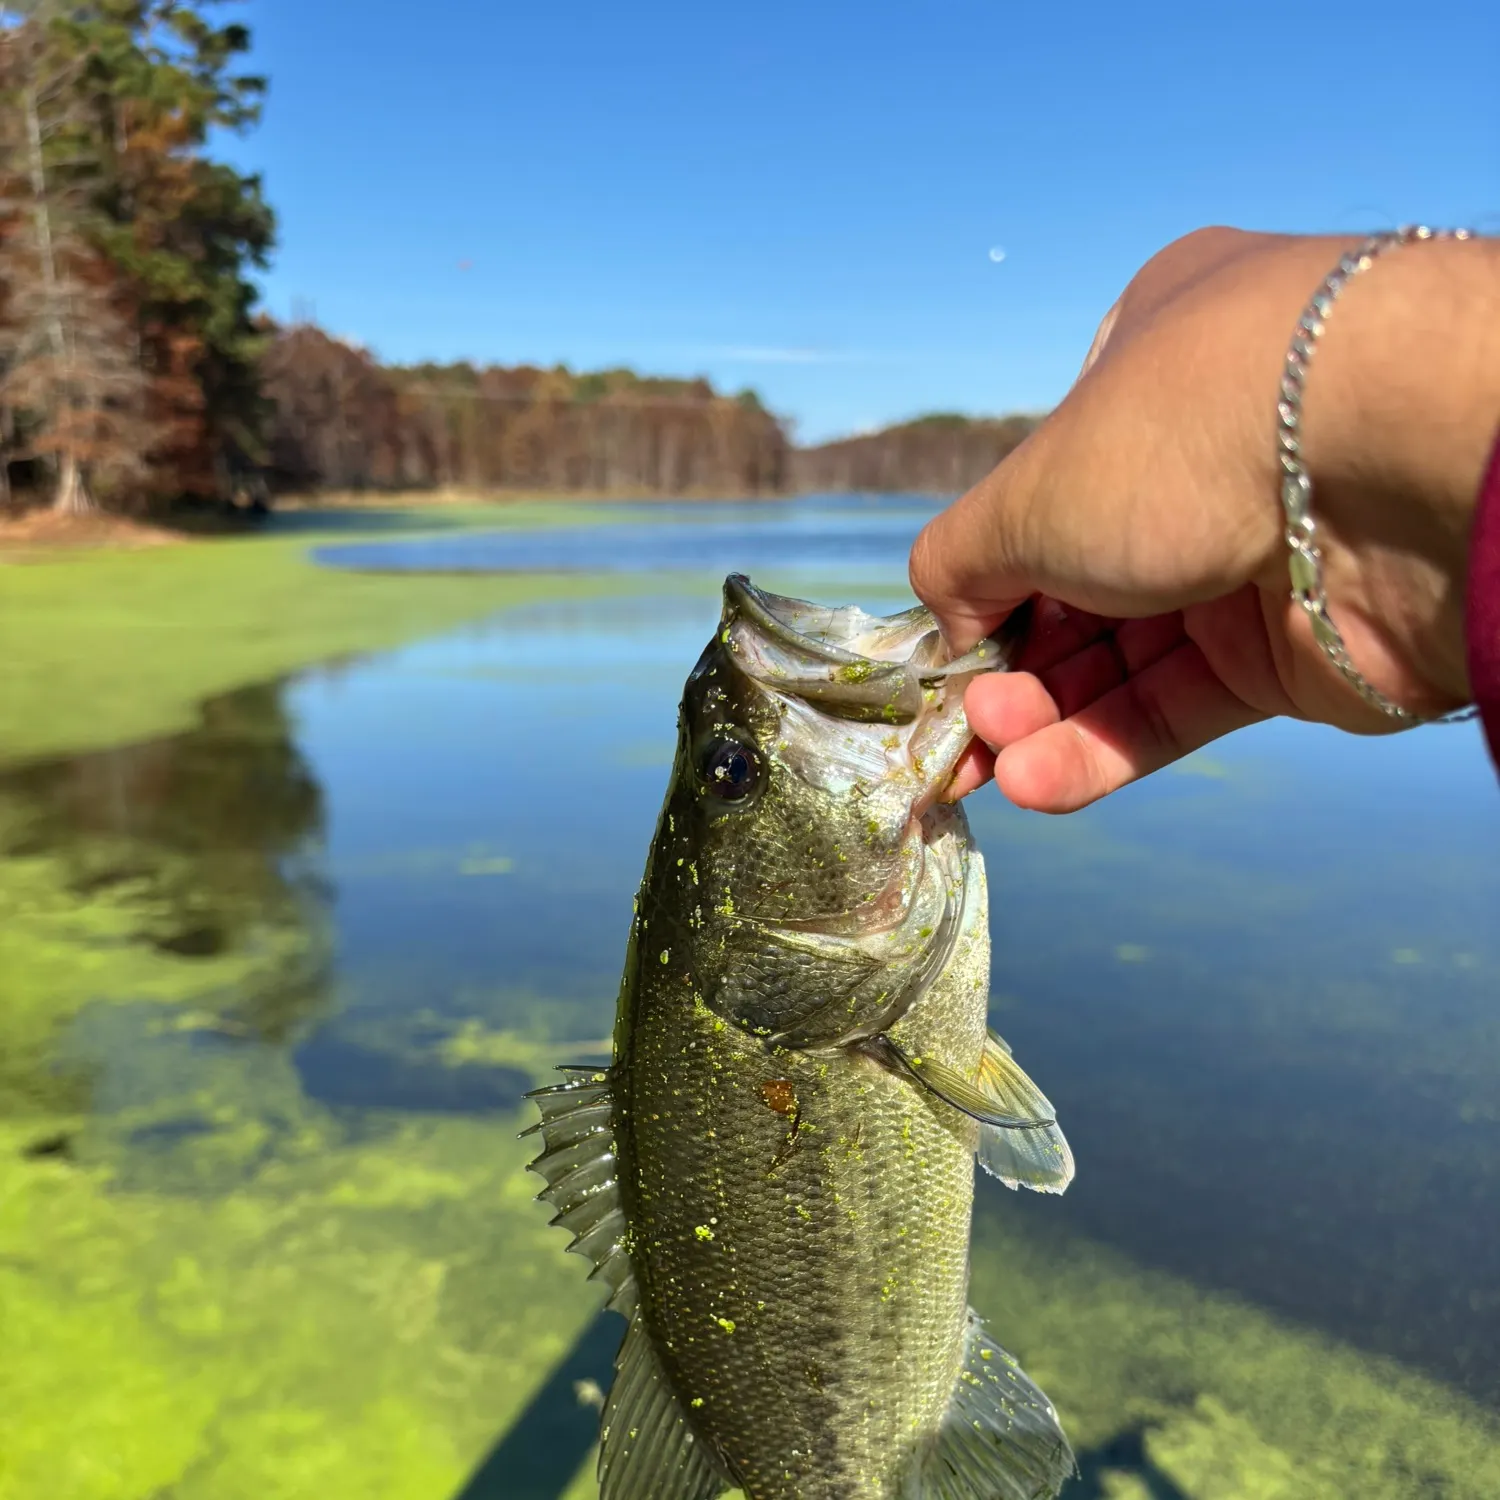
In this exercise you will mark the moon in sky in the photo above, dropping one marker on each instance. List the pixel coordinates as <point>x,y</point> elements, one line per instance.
<point>997,253</point>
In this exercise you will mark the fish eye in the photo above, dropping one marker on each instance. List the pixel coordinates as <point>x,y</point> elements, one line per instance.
<point>728,768</point>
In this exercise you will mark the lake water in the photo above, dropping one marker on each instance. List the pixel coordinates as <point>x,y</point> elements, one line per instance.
<point>1261,990</point>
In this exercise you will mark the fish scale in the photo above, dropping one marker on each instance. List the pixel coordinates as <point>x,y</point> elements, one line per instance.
<point>780,1195</point>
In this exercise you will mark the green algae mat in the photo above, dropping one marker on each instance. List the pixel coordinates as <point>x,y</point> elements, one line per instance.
<point>217,1281</point>
<point>104,647</point>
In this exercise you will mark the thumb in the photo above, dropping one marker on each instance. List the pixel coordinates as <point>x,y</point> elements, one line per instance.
<point>966,563</point>
<point>958,563</point>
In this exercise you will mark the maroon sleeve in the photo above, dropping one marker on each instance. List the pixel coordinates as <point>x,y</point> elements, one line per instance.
<point>1482,607</point>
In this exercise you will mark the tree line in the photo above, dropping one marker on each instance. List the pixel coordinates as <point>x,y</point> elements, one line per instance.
<point>343,421</point>
<point>133,369</point>
<point>939,454</point>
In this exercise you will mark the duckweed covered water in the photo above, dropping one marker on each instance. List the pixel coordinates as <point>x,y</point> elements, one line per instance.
<point>272,989</point>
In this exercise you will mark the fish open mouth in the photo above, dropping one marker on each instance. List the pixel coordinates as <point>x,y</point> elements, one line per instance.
<point>888,680</point>
<point>849,663</point>
<point>840,634</point>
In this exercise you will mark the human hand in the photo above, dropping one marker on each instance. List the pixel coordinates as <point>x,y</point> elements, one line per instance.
<point>1145,510</point>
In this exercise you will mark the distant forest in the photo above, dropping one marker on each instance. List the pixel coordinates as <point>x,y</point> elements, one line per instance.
<point>135,373</point>
<point>341,421</point>
<point>935,455</point>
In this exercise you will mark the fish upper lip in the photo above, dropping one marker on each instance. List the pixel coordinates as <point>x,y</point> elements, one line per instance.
<point>745,598</point>
<point>751,601</point>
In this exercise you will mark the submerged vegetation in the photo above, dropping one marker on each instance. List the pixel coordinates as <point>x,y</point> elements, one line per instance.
<point>266,1229</point>
<point>214,1284</point>
<point>226,1272</point>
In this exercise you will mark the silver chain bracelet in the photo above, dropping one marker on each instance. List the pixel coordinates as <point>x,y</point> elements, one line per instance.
<point>1306,561</point>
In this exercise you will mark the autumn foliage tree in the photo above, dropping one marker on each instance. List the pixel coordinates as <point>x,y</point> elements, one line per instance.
<point>936,454</point>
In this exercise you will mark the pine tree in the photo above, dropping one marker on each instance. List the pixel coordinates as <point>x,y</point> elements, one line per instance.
<point>127,344</point>
<point>183,229</point>
<point>70,359</point>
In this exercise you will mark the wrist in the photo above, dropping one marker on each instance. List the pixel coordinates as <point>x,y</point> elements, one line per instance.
<point>1402,408</point>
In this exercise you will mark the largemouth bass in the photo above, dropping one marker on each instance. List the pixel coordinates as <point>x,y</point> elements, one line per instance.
<point>775,1175</point>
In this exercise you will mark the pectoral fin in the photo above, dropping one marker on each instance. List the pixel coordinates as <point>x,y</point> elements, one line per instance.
<point>949,1085</point>
<point>1040,1158</point>
<point>1020,1141</point>
<point>1000,1438</point>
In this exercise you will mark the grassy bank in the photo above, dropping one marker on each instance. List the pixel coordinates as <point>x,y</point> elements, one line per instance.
<point>107,646</point>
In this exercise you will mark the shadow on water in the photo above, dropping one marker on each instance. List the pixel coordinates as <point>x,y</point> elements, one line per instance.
<point>538,1458</point>
<point>1125,1453</point>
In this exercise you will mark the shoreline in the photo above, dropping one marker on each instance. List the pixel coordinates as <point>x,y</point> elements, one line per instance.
<point>40,532</point>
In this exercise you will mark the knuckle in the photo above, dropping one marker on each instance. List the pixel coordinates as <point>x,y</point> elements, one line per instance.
<point>1160,730</point>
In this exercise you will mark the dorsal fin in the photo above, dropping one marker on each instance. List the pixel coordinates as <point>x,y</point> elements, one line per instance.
<point>1000,1438</point>
<point>578,1162</point>
<point>648,1449</point>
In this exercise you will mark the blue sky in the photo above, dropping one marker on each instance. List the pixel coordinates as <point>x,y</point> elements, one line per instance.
<point>865,211</point>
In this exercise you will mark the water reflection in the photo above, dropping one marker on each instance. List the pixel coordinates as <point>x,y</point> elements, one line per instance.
<point>1282,1074</point>
<point>1267,1092</point>
<point>491,796</point>
<point>203,848</point>
<point>342,1073</point>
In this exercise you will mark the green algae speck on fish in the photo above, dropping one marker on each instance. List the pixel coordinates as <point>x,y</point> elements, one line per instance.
<point>775,1177</point>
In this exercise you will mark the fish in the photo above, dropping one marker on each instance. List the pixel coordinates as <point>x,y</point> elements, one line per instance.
<point>774,1176</point>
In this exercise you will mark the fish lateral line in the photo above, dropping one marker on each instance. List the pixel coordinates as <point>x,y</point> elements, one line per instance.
<point>945,1083</point>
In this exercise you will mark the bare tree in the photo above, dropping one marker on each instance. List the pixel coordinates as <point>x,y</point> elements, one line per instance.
<point>69,365</point>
